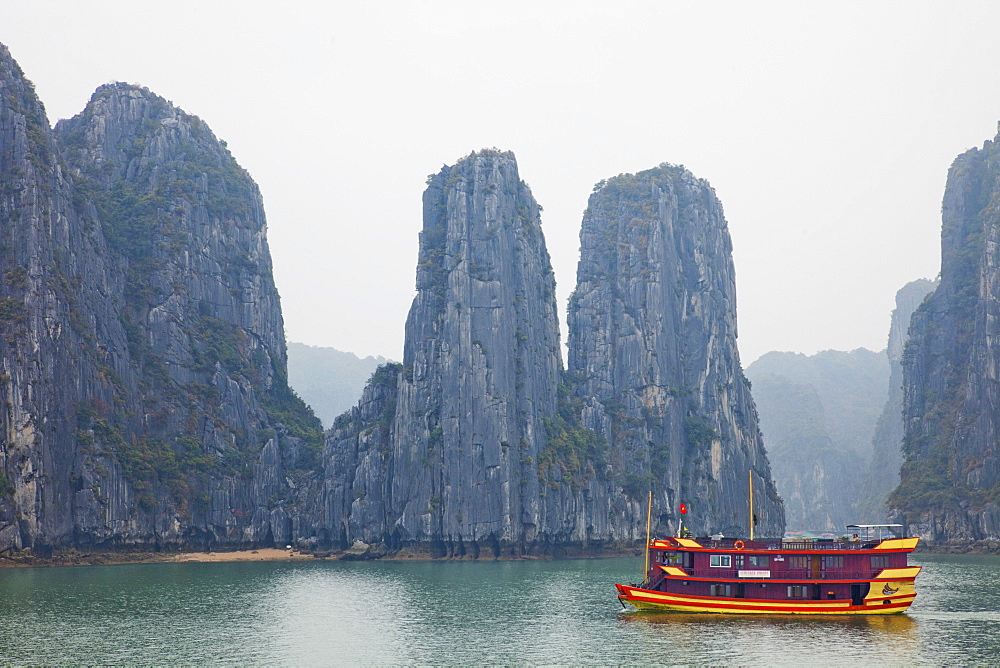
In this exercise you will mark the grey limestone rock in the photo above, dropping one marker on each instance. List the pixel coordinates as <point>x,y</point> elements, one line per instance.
<point>480,444</point>
<point>143,365</point>
<point>453,464</point>
<point>56,334</point>
<point>653,356</point>
<point>143,353</point>
<point>950,479</point>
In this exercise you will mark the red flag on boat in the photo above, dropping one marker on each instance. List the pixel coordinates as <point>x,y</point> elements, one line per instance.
<point>684,509</point>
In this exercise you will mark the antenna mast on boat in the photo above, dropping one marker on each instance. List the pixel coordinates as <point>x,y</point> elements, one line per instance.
<point>750,473</point>
<point>649,515</point>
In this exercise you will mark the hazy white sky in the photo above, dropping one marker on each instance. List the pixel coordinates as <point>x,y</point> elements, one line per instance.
<point>826,129</point>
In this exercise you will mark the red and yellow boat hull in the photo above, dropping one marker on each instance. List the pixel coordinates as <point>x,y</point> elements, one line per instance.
<point>877,602</point>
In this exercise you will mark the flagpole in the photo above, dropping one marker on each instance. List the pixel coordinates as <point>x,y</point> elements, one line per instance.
<point>750,473</point>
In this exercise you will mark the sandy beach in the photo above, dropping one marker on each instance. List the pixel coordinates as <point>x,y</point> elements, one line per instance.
<point>260,554</point>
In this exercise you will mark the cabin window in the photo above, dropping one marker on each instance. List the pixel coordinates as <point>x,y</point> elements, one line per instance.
<point>797,591</point>
<point>719,590</point>
<point>798,561</point>
<point>880,561</point>
<point>831,561</point>
<point>720,560</point>
<point>758,560</point>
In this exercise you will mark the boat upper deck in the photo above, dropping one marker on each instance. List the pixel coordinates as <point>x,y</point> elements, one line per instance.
<point>777,560</point>
<point>709,544</point>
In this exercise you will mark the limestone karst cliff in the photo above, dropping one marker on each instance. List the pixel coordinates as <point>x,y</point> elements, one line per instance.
<point>887,442</point>
<point>143,366</point>
<point>950,479</point>
<point>50,264</point>
<point>143,356</point>
<point>653,357</point>
<point>445,450</point>
<point>480,442</point>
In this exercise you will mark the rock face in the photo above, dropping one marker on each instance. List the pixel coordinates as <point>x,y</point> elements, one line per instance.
<point>887,454</point>
<point>818,413</point>
<point>143,357</point>
<point>456,464</point>
<point>143,367</point>
<point>653,357</point>
<point>479,442</point>
<point>950,480</point>
<point>50,262</point>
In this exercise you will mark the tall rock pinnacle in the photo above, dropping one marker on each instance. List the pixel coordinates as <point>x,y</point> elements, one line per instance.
<point>480,374</point>
<point>652,349</point>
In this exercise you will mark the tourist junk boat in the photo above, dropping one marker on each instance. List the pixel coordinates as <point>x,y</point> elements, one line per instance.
<point>866,574</point>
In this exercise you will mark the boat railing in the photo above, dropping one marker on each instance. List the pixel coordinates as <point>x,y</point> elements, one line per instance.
<point>788,546</point>
<point>790,574</point>
<point>828,545</point>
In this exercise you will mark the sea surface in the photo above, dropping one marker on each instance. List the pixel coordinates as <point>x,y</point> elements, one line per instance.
<point>526,612</point>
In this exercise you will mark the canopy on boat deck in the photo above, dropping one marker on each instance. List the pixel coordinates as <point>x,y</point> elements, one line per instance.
<point>876,531</point>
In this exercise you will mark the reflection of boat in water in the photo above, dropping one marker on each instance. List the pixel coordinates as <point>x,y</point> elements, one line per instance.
<point>894,625</point>
<point>868,575</point>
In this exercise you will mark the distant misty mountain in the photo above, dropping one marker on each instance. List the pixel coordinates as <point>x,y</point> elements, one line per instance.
<point>328,379</point>
<point>852,386</point>
<point>887,454</point>
<point>818,414</point>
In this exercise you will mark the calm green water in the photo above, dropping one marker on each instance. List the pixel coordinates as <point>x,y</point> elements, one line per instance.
<point>457,613</point>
